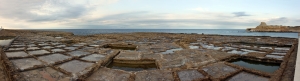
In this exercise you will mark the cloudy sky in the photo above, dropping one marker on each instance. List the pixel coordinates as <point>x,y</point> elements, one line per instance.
<point>147,14</point>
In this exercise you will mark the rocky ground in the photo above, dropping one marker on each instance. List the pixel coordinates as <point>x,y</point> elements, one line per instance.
<point>62,56</point>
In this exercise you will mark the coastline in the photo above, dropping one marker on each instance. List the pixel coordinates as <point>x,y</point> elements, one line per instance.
<point>144,48</point>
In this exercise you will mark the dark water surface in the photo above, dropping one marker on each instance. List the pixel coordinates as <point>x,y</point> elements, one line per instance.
<point>238,32</point>
<point>132,67</point>
<point>261,66</point>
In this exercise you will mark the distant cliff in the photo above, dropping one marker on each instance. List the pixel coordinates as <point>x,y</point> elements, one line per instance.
<point>263,27</point>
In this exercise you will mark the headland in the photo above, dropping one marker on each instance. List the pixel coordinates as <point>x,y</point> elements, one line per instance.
<point>263,27</point>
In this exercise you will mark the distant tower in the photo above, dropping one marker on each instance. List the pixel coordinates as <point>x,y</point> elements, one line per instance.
<point>263,24</point>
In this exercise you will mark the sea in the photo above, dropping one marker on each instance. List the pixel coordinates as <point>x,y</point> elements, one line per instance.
<point>235,32</point>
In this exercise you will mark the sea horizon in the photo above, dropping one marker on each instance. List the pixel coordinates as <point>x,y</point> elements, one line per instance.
<point>234,32</point>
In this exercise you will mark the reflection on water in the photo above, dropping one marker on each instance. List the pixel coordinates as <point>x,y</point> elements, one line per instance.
<point>261,66</point>
<point>5,40</point>
<point>132,67</point>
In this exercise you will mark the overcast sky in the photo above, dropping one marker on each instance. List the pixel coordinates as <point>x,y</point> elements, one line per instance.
<point>147,14</point>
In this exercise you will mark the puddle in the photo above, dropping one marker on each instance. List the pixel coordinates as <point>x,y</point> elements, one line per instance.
<point>94,57</point>
<point>5,42</point>
<point>194,47</point>
<point>132,67</point>
<point>261,66</point>
<point>244,76</point>
<point>50,59</point>
<point>170,51</point>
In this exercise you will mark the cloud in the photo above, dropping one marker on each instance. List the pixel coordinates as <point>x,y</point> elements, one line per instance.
<point>280,20</point>
<point>240,14</point>
<point>48,10</point>
<point>98,14</point>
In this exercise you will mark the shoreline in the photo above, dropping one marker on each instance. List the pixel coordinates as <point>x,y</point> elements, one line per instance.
<point>62,52</point>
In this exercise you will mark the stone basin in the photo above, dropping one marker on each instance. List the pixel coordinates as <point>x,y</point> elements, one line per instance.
<point>16,54</point>
<point>217,70</point>
<point>26,63</point>
<point>75,66</point>
<point>261,66</point>
<point>38,52</point>
<point>78,53</point>
<point>53,58</point>
<point>190,75</point>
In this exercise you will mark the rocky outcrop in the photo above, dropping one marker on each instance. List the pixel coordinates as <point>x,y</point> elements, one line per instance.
<point>263,27</point>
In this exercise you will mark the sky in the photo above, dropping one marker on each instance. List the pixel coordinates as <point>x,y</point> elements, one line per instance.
<point>147,14</point>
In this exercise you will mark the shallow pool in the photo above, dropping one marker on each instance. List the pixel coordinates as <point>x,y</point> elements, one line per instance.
<point>261,66</point>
